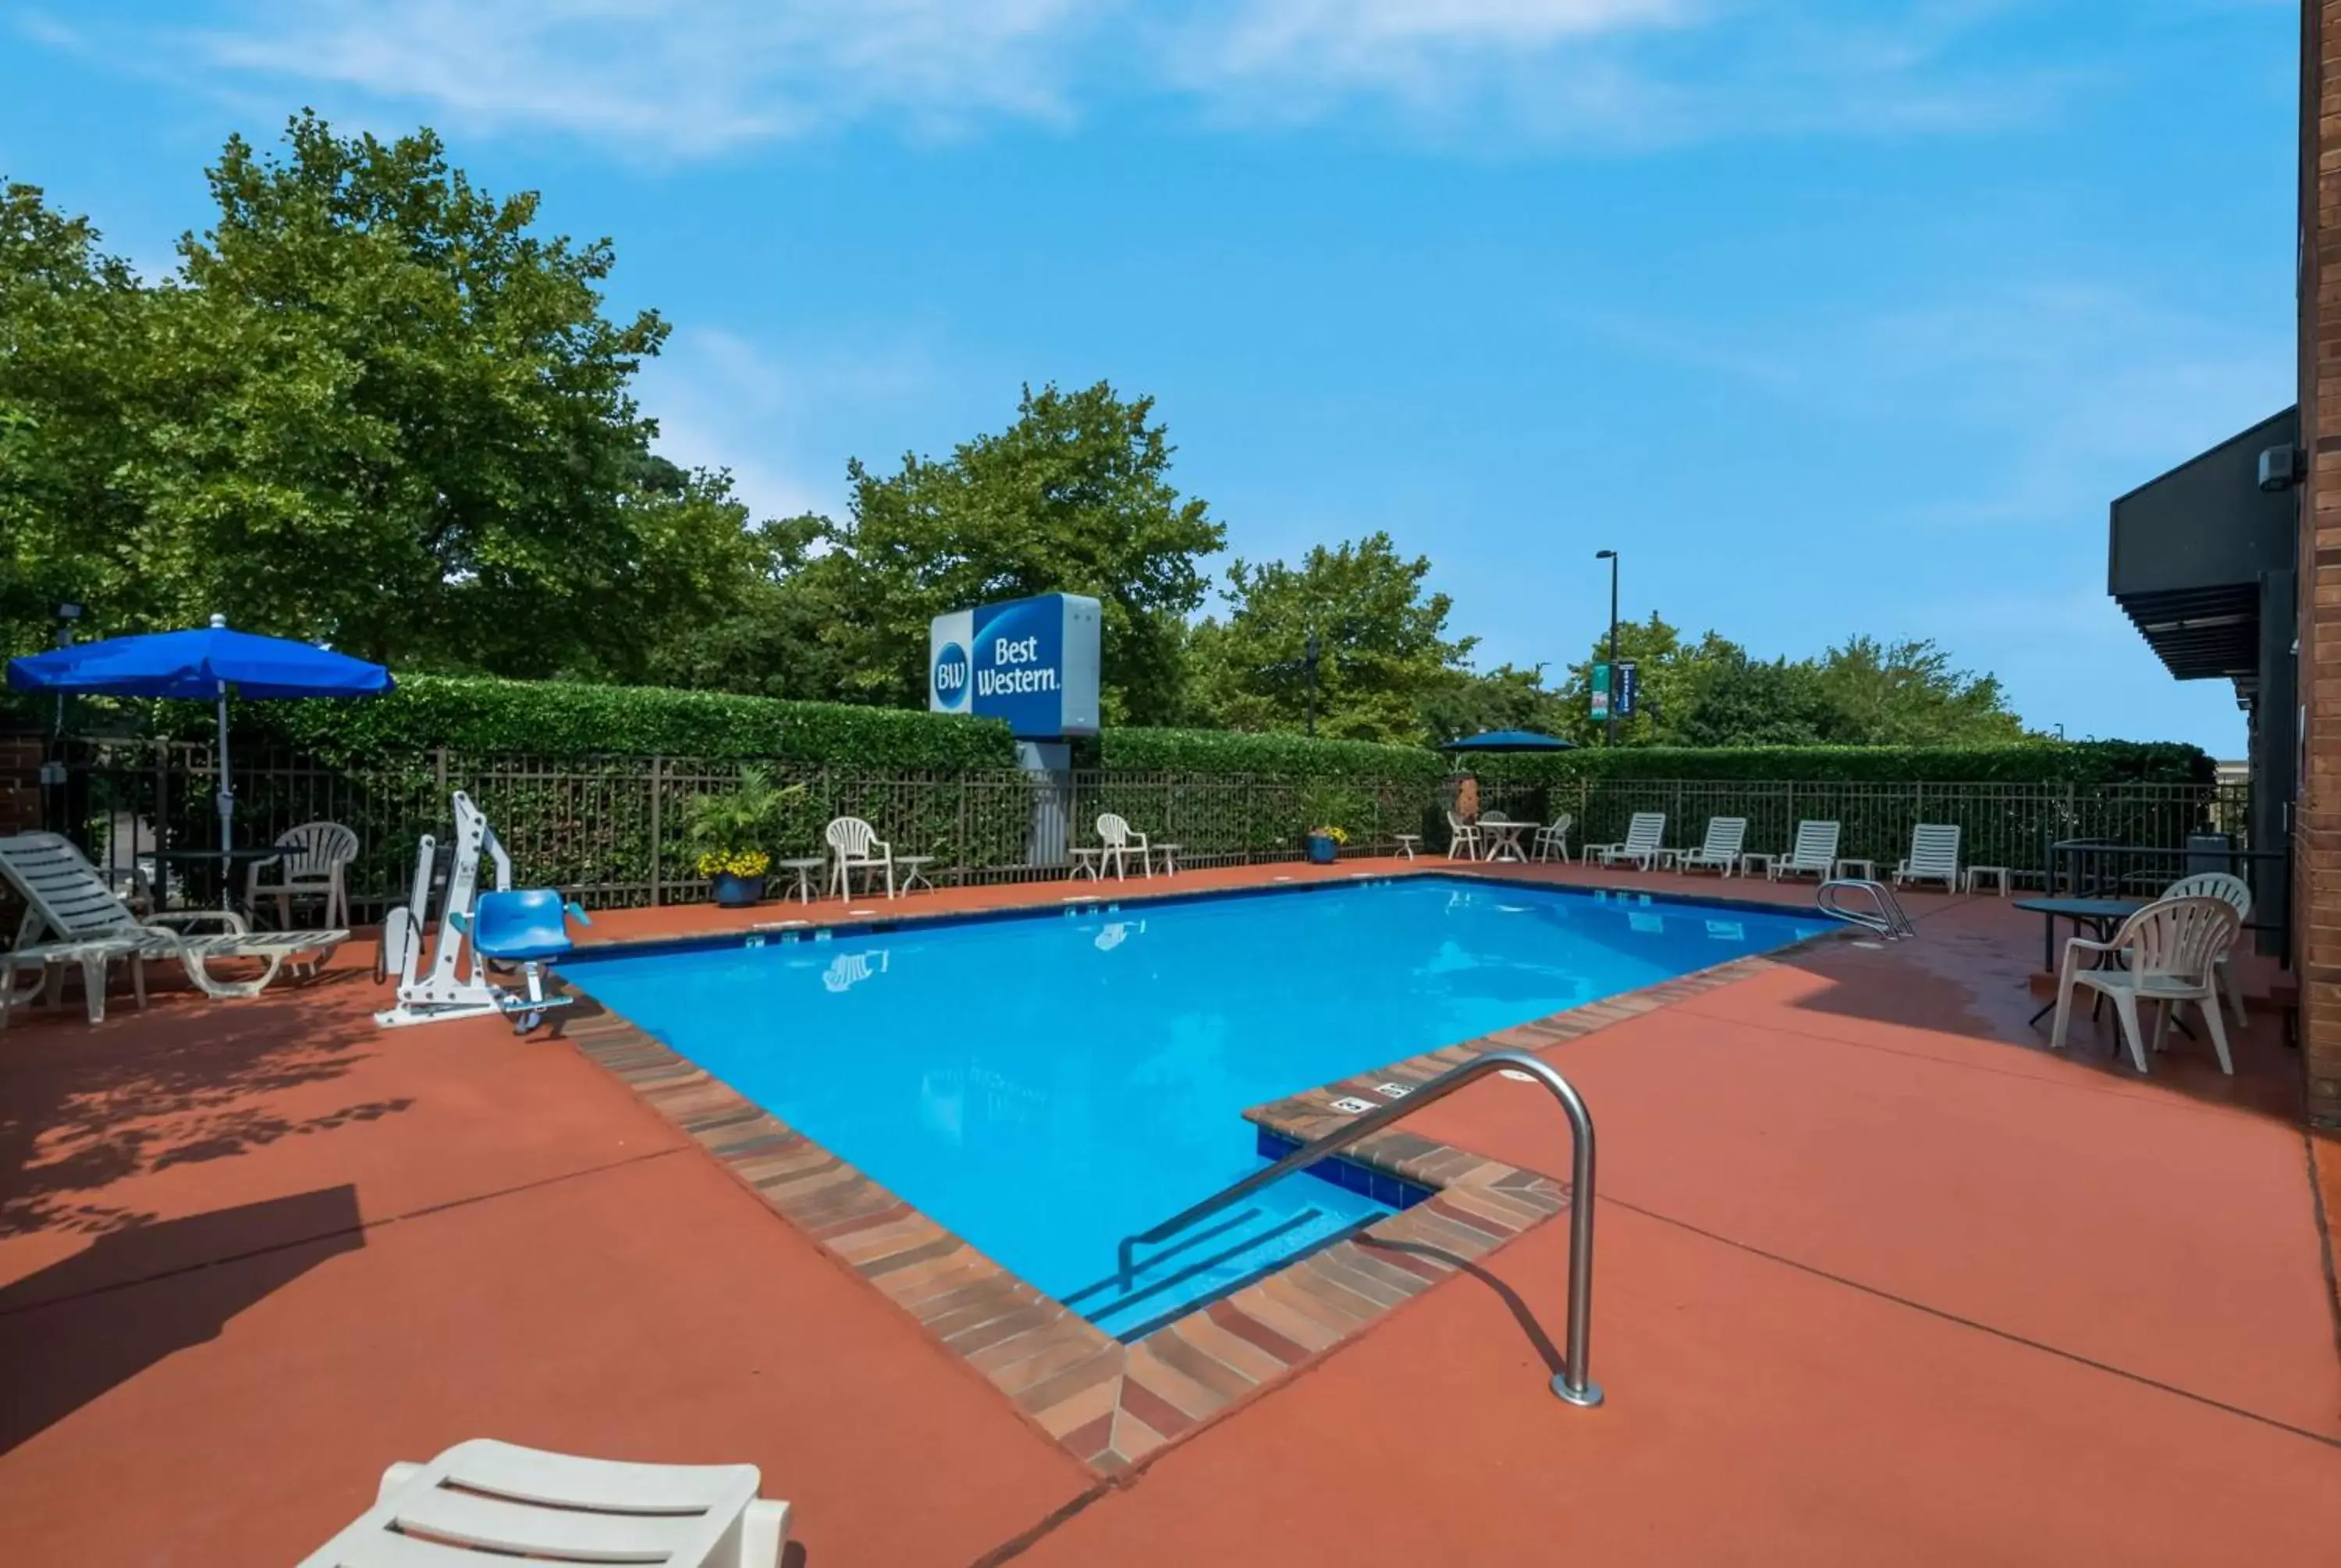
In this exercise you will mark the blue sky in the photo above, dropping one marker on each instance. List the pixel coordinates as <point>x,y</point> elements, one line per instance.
<point>1832,316</point>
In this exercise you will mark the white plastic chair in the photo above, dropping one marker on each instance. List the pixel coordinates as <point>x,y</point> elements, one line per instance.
<point>1815,852</point>
<point>2169,952</point>
<point>856,847</point>
<point>1641,845</point>
<point>1463,836</point>
<point>1721,850</point>
<point>1555,837</point>
<point>2235,891</point>
<point>1933,856</point>
<point>1120,842</point>
<point>69,899</point>
<point>310,867</point>
<point>494,1503</point>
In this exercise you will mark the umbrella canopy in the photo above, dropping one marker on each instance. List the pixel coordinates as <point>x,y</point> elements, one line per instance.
<point>1510,741</point>
<point>203,665</point>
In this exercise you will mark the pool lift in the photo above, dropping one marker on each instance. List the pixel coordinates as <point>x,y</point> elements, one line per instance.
<point>1884,916</point>
<point>526,926</point>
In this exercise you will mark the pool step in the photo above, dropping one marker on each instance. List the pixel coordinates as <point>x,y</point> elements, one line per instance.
<point>1225,1252</point>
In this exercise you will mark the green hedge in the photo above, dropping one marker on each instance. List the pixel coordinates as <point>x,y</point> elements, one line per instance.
<point>2037,763</point>
<point>1287,756</point>
<point>563,719</point>
<point>1273,756</point>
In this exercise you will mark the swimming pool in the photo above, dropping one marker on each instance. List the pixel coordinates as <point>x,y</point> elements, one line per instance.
<point>1047,1084</point>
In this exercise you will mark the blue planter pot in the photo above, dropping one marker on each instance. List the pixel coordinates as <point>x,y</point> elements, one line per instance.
<point>1322,850</point>
<point>738,892</point>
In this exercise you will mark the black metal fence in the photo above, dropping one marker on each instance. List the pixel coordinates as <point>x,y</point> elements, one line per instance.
<point>611,831</point>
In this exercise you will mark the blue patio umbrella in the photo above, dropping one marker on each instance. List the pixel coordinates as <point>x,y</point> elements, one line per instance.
<point>204,666</point>
<point>1510,741</point>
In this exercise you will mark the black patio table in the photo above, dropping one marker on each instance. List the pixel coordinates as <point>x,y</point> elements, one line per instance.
<point>210,866</point>
<point>2103,917</point>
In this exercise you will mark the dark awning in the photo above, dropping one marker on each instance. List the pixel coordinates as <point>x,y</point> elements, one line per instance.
<point>2188,551</point>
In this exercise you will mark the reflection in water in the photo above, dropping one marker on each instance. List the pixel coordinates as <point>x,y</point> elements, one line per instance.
<point>1116,933</point>
<point>1727,930</point>
<point>848,970</point>
<point>1641,920</point>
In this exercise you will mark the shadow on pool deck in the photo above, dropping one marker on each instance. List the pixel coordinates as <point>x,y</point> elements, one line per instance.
<point>1880,1279</point>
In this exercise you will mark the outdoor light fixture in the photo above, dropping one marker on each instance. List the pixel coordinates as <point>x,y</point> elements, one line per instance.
<point>2282,467</point>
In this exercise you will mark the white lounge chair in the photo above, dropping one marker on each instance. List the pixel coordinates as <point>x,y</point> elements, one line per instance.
<point>1120,842</point>
<point>311,866</point>
<point>1721,850</point>
<point>856,847</point>
<point>1555,837</point>
<point>67,898</point>
<point>1641,845</point>
<point>1463,836</point>
<point>2170,951</point>
<point>2237,892</point>
<point>495,1502</point>
<point>48,963</point>
<point>1933,856</point>
<point>1814,852</point>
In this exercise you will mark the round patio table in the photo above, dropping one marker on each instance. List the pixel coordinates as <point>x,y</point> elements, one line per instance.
<point>1507,834</point>
<point>804,868</point>
<point>2102,917</point>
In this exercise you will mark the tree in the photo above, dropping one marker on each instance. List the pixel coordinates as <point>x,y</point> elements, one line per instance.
<point>71,323</point>
<point>1472,702</point>
<point>377,409</point>
<point>1667,672</point>
<point>1737,701</point>
<point>1908,694</point>
<point>1862,693</point>
<point>1074,497</point>
<point>1384,651</point>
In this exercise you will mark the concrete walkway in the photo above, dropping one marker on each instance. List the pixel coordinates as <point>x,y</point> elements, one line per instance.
<point>1880,1281</point>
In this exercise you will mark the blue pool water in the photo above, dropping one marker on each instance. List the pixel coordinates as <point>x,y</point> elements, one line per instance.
<point>1046,1086</point>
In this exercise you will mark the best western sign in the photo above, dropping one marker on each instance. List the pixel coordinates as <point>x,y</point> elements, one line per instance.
<point>1031,661</point>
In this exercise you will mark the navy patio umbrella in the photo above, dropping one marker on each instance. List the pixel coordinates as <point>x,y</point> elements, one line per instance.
<point>1510,741</point>
<point>204,666</point>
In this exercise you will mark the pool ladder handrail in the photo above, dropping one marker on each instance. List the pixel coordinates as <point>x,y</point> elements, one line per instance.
<point>1886,917</point>
<point>1575,1382</point>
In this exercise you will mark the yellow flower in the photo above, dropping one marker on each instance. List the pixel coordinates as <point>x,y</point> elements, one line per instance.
<point>745,863</point>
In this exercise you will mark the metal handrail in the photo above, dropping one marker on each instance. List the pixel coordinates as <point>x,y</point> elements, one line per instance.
<point>1889,921</point>
<point>1575,1382</point>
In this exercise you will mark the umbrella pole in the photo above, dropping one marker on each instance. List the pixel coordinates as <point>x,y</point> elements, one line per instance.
<point>226,800</point>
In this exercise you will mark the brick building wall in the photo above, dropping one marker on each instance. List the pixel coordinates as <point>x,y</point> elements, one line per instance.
<point>2316,823</point>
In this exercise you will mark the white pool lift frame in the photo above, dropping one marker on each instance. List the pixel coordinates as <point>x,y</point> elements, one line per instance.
<point>456,986</point>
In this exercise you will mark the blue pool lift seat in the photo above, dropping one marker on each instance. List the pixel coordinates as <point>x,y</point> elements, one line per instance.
<point>527,927</point>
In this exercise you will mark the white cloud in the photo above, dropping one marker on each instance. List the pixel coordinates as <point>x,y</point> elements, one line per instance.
<point>685,79</point>
<point>695,78</point>
<point>723,402</point>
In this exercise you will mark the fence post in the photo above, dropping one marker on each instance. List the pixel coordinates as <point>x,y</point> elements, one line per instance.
<point>658,834</point>
<point>962,867</point>
<point>439,767</point>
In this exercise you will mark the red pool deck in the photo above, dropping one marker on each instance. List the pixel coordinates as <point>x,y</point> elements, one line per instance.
<point>1879,1280</point>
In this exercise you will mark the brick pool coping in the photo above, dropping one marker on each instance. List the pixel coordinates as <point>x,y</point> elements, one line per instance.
<point>1109,1404</point>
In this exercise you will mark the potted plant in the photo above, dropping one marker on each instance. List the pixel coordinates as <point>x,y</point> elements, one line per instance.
<point>729,831</point>
<point>1331,808</point>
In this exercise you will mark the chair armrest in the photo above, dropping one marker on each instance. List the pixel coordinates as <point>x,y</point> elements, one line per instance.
<point>881,849</point>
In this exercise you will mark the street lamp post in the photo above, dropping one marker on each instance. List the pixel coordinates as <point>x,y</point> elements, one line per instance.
<point>1611,707</point>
